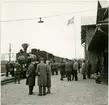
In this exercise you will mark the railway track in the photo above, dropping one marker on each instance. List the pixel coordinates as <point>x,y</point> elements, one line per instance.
<point>8,80</point>
<point>5,80</point>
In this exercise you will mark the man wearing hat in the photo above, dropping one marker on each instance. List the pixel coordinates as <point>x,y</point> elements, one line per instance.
<point>42,72</point>
<point>62,70</point>
<point>68,69</point>
<point>17,70</point>
<point>30,75</point>
<point>48,77</point>
<point>75,69</point>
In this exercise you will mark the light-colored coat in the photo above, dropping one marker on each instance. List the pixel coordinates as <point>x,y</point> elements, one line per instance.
<point>75,66</point>
<point>83,68</point>
<point>42,70</point>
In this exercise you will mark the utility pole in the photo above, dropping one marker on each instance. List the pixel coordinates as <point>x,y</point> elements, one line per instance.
<point>9,52</point>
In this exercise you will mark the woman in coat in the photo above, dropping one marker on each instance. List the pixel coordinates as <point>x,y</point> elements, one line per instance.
<point>48,77</point>
<point>30,74</point>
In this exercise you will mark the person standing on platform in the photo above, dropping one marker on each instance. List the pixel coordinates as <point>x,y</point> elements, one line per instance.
<point>75,69</point>
<point>48,77</point>
<point>17,70</point>
<point>7,68</point>
<point>79,65</point>
<point>72,73</point>
<point>42,72</point>
<point>62,70</point>
<point>12,69</point>
<point>68,69</point>
<point>31,74</point>
<point>84,69</point>
<point>98,66</point>
<point>88,69</point>
<point>54,68</point>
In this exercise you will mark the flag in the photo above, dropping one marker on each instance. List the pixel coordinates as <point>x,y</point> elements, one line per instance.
<point>71,21</point>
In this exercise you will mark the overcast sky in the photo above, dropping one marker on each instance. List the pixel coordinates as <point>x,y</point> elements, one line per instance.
<point>53,35</point>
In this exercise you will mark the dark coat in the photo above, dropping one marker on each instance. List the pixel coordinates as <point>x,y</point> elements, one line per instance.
<point>62,68</point>
<point>30,75</point>
<point>17,69</point>
<point>54,66</point>
<point>42,71</point>
<point>88,68</point>
<point>7,67</point>
<point>68,66</point>
<point>49,76</point>
<point>98,67</point>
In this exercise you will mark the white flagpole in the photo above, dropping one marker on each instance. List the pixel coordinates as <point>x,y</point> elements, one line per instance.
<point>70,22</point>
<point>74,38</point>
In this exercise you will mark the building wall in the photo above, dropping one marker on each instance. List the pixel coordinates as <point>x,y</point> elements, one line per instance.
<point>89,35</point>
<point>93,56</point>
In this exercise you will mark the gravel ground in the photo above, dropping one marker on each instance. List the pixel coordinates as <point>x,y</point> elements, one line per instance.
<point>82,92</point>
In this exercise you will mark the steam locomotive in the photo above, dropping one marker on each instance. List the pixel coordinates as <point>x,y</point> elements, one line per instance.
<point>22,57</point>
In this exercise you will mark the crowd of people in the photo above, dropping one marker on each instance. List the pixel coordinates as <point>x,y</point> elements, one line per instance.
<point>70,69</point>
<point>43,70</point>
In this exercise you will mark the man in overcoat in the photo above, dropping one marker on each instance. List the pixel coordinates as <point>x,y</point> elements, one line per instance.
<point>68,69</point>
<point>62,70</point>
<point>98,66</point>
<point>7,68</point>
<point>72,73</point>
<point>17,70</point>
<point>42,72</point>
<point>88,67</point>
<point>75,69</point>
<point>83,67</point>
<point>54,68</point>
<point>31,74</point>
<point>48,77</point>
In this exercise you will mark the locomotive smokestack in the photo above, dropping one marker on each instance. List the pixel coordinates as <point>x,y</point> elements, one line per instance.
<point>25,46</point>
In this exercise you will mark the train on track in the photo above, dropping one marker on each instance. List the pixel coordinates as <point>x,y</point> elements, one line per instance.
<point>23,56</point>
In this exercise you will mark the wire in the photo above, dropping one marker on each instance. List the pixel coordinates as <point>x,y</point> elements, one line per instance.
<point>69,13</point>
<point>48,16</point>
<point>20,19</point>
<point>50,1</point>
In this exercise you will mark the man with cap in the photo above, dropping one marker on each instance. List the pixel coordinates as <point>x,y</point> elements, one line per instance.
<point>30,74</point>
<point>75,69</point>
<point>68,69</point>
<point>62,70</point>
<point>17,70</point>
<point>48,77</point>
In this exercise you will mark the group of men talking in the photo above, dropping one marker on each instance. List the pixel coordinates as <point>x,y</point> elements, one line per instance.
<point>69,69</point>
<point>44,70</point>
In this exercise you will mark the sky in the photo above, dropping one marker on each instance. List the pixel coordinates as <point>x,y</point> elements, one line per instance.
<point>53,35</point>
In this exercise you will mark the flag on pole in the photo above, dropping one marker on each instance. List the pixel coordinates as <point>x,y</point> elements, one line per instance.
<point>71,21</point>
